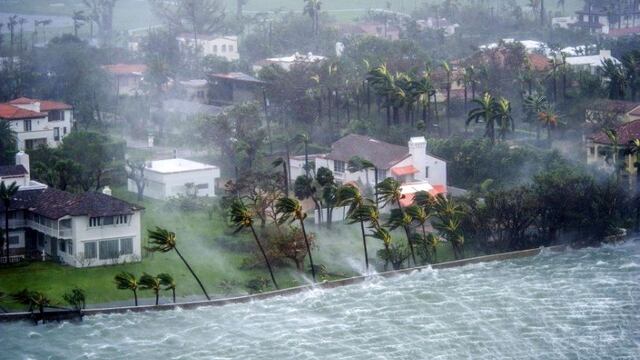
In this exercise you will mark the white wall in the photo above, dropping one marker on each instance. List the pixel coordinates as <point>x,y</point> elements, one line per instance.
<point>42,129</point>
<point>165,185</point>
<point>225,47</point>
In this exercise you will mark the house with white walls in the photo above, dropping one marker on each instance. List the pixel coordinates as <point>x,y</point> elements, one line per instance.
<point>127,79</point>
<point>169,178</point>
<point>411,165</point>
<point>37,122</point>
<point>287,62</point>
<point>224,46</point>
<point>591,63</point>
<point>81,230</point>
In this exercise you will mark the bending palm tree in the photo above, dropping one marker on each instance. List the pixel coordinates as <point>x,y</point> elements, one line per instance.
<point>549,119</point>
<point>148,282</point>
<point>534,105</point>
<point>6,196</point>
<point>291,209</point>
<point>358,211</point>
<point>169,283</point>
<point>503,117</point>
<point>390,193</point>
<point>450,217</point>
<point>242,218</point>
<point>419,214</point>
<point>484,112</point>
<point>32,299</point>
<point>382,234</point>
<point>127,281</point>
<point>164,241</point>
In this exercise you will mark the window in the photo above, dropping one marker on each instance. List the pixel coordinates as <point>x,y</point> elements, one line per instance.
<point>108,249</point>
<point>107,220</point>
<point>56,115</point>
<point>230,48</point>
<point>202,186</point>
<point>426,172</point>
<point>14,240</point>
<point>27,125</point>
<point>62,244</point>
<point>224,48</point>
<point>126,246</point>
<point>215,48</point>
<point>94,222</point>
<point>90,250</point>
<point>592,150</point>
<point>121,219</point>
<point>64,131</point>
<point>70,247</point>
<point>338,166</point>
<point>56,134</point>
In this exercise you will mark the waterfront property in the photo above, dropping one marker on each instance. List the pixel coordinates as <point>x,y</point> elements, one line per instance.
<point>173,177</point>
<point>37,122</point>
<point>86,229</point>
<point>601,151</point>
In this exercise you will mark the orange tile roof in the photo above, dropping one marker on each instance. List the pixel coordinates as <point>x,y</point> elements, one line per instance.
<point>125,69</point>
<point>407,199</point>
<point>45,105</point>
<point>10,112</point>
<point>626,132</point>
<point>404,170</point>
<point>539,62</point>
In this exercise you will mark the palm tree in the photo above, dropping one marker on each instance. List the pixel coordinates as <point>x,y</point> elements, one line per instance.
<point>78,21</point>
<point>282,162</point>
<point>484,112</point>
<point>631,62</point>
<point>127,281</point>
<point>613,154</point>
<point>420,215</point>
<point>76,298</point>
<point>449,215</point>
<point>149,282</point>
<point>383,235</point>
<point>562,3</point>
<point>534,105</point>
<point>32,300</point>
<point>389,191</point>
<point>617,79</point>
<point>241,218</point>
<point>549,119</point>
<point>6,196</point>
<point>423,88</point>
<point>303,139</point>
<point>357,164</point>
<point>291,209</point>
<point>164,241</point>
<point>447,70</point>
<point>503,118</point>
<point>359,211</point>
<point>432,243</point>
<point>312,8</point>
<point>8,141</point>
<point>169,283</point>
<point>382,82</point>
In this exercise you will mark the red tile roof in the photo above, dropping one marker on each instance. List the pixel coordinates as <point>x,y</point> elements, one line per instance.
<point>624,32</point>
<point>404,170</point>
<point>626,132</point>
<point>539,62</point>
<point>407,199</point>
<point>613,106</point>
<point>126,69</point>
<point>45,105</point>
<point>10,112</point>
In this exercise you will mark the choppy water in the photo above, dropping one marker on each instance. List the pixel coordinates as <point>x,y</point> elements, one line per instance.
<point>578,305</point>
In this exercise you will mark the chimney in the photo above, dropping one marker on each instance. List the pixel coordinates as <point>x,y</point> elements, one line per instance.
<point>22,158</point>
<point>107,191</point>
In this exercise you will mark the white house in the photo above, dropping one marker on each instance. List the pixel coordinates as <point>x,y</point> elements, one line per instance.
<point>169,178</point>
<point>411,164</point>
<point>216,45</point>
<point>286,62</point>
<point>81,230</point>
<point>37,122</point>
<point>590,63</point>
<point>127,78</point>
<point>195,90</point>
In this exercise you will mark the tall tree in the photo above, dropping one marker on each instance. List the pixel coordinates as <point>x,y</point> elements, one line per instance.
<point>169,283</point>
<point>503,118</point>
<point>241,218</point>
<point>312,9</point>
<point>484,112</point>
<point>391,194</point>
<point>164,241</point>
<point>7,193</point>
<point>8,142</point>
<point>359,211</point>
<point>101,12</point>
<point>136,173</point>
<point>291,210</point>
<point>153,283</point>
<point>448,72</point>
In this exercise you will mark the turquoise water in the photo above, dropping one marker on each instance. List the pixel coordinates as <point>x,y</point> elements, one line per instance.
<point>582,304</point>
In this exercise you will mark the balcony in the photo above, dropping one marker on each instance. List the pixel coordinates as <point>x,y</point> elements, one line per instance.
<point>15,223</point>
<point>61,233</point>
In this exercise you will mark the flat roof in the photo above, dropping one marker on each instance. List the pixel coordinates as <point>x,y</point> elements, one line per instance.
<point>178,165</point>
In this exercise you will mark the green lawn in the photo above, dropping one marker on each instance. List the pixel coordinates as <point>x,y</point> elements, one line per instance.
<point>339,249</point>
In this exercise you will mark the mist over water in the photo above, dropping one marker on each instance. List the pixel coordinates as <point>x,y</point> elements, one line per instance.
<point>580,304</point>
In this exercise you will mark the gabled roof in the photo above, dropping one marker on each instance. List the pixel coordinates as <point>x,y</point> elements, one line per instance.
<point>55,204</point>
<point>383,155</point>
<point>12,170</point>
<point>626,133</point>
<point>10,112</point>
<point>45,105</point>
<point>613,106</point>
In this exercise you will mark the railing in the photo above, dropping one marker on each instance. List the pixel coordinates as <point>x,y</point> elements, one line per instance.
<point>16,223</point>
<point>64,233</point>
<point>12,259</point>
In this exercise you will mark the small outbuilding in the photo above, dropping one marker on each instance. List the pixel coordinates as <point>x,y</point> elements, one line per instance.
<point>173,177</point>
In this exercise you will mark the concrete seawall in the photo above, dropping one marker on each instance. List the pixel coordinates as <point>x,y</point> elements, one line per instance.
<point>22,316</point>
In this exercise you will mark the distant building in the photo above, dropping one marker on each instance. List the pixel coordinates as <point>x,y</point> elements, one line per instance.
<point>600,149</point>
<point>590,63</point>
<point>443,24</point>
<point>564,22</point>
<point>215,45</point>
<point>612,111</point>
<point>37,122</point>
<point>411,165</point>
<point>287,62</point>
<point>195,90</point>
<point>620,19</point>
<point>169,178</point>
<point>234,87</point>
<point>375,29</point>
<point>81,230</point>
<point>127,78</point>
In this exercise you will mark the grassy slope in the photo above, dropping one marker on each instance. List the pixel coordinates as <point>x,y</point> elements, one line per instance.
<point>339,250</point>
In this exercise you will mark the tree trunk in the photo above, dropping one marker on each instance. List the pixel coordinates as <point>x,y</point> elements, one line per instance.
<point>286,178</point>
<point>6,230</point>
<point>173,291</point>
<point>135,297</point>
<point>157,296</point>
<point>192,273</point>
<point>364,244</point>
<point>306,242</point>
<point>255,236</point>
<point>406,230</point>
